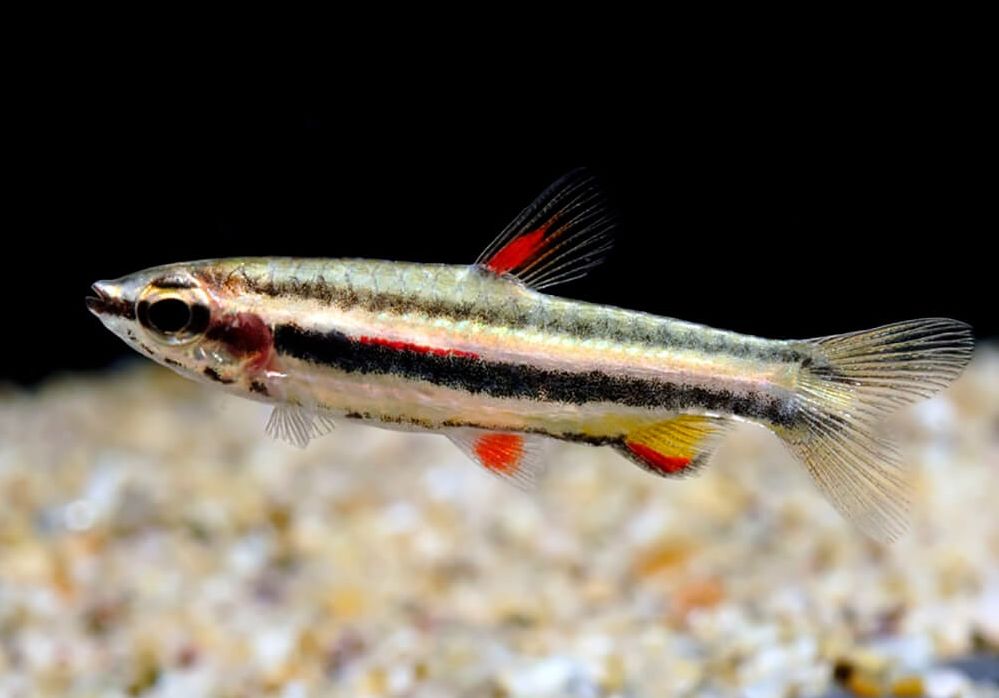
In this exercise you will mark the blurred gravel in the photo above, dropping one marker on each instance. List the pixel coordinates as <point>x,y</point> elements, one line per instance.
<point>154,542</point>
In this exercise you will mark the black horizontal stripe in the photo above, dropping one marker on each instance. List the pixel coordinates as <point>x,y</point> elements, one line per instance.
<point>505,380</point>
<point>119,307</point>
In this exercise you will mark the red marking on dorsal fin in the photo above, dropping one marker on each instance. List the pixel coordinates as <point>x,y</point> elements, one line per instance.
<point>419,348</point>
<point>559,237</point>
<point>516,252</point>
<point>663,463</point>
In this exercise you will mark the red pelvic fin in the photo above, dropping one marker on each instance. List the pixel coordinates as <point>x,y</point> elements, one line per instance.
<point>517,458</point>
<point>500,452</point>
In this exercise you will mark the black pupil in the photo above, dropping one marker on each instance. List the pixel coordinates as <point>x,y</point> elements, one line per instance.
<point>169,315</point>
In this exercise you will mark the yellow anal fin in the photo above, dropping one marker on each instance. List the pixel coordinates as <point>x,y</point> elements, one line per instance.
<point>675,447</point>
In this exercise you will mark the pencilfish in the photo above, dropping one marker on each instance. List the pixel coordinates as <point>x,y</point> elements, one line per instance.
<point>478,353</point>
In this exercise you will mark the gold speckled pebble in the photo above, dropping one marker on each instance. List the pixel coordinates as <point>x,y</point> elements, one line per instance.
<point>153,539</point>
<point>907,687</point>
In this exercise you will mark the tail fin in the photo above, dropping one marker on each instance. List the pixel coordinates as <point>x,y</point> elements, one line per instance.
<point>848,385</point>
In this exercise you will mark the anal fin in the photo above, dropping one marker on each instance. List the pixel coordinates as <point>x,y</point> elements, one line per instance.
<point>514,457</point>
<point>675,447</point>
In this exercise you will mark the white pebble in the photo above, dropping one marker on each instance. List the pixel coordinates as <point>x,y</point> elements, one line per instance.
<point>173,684</point>
<point>547,677</point>
<point>441,484</point>
<point>39,650</point>
<point>400,517</point>
<point>911,652</point>
<point>988,614</point>
<point>647,525</point>
<point>769,689</point>
<point>248,554</point>
<point>295,689</point>
<point>937,414</point>
<point>105,485</point>
<point>400,679</point>
<point>946,683</point>
<point>273,646</point>
<point>79,515</point>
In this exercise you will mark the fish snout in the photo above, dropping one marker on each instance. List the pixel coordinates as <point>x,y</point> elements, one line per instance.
<point>108,299</point>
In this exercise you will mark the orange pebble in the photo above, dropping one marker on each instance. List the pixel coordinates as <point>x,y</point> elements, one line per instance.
<point>864,686</point>
<point>662,557</point>
<point>702,593</point>
<point>907,687</point>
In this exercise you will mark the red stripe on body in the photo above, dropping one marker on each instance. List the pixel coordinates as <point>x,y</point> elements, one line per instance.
<point>420,348</point>
<point>657,460</point>
<point>517,251</point>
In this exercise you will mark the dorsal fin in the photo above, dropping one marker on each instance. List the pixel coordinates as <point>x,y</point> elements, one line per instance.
<point>558,238</point>
<point>675,447</point>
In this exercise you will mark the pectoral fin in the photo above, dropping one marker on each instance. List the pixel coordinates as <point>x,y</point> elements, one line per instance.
<point>298,425</point>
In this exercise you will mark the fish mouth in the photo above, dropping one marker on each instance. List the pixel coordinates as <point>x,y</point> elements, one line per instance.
<point>109,301</point>
<point>96,303</point>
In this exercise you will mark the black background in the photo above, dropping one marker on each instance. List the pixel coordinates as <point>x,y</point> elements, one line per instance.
<point>832,198</point>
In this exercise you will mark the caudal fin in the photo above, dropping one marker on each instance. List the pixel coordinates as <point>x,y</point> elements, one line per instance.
<point>848,385</point>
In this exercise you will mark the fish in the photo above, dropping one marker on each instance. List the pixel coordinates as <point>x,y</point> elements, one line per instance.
<point>481,354</point>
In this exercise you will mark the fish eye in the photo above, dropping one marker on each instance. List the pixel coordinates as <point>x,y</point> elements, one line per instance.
<point>169,316</point>
<point>173,316</point>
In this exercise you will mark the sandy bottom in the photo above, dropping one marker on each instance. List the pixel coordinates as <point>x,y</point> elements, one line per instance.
<point>154,541</point>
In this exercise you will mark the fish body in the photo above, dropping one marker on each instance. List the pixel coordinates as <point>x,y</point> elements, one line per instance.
<point>478,352</point>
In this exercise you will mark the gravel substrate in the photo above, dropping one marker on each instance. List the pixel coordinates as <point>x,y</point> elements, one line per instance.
<point>153,541</point>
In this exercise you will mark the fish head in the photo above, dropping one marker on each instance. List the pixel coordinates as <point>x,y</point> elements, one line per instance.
<point>172,315</point>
